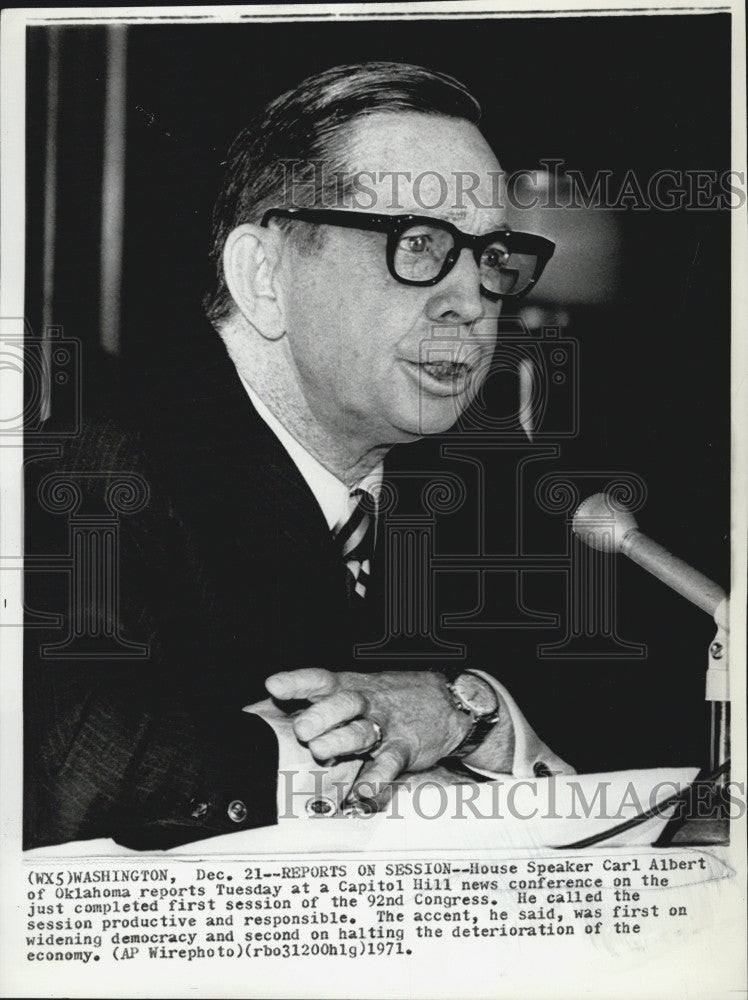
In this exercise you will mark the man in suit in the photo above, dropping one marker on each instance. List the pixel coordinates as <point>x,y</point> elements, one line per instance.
<point>252,563</point>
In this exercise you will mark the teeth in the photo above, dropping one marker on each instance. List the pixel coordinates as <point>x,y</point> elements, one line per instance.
<point>444,369</point>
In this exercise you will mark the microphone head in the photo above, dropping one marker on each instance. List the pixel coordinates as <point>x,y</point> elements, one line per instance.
<point>601,524</point>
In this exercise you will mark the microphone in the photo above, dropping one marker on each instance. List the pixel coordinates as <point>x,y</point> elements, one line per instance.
<point>605,527</point>
<point>602,525</point>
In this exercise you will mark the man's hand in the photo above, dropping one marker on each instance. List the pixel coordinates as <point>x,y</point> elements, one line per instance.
<point>413,709</point>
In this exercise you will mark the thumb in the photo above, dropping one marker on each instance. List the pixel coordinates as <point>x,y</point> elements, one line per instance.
<point>375,781</point>
<point>310,683</point>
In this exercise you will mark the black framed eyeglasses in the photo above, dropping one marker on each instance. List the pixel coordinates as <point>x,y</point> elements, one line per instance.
<point>422,250</point>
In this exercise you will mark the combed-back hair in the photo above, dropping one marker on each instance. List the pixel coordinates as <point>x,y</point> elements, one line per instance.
<point>293,152</point>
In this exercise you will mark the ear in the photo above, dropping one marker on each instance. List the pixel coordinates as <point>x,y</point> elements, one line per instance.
<point>250,265</point>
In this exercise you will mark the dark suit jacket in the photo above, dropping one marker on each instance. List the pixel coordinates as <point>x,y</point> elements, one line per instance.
<point>227,573</point>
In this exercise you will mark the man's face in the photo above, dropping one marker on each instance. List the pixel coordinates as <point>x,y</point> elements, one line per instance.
<point>377,361</point>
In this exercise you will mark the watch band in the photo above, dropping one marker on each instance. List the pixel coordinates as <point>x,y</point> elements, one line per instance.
<point>482,724</point>
<point>475,736</point>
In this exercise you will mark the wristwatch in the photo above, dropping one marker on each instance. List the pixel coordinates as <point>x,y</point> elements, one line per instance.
<point>475,697</point>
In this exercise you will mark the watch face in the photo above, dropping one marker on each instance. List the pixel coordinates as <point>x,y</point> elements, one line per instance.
<point>476,694</point>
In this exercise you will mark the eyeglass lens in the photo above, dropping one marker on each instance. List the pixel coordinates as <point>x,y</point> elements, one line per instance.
<point>422,250</point>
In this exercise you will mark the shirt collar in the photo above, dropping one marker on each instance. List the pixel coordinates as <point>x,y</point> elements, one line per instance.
<point>333,496</point>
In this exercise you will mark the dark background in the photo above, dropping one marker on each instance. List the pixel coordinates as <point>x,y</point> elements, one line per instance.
<point>640,93</point>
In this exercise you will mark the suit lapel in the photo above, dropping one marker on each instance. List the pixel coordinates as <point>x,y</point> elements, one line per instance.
<point>242,486</point>
<point>262,534</point>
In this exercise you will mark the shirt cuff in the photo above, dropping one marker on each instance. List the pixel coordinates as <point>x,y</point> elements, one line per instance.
<point>532,758</point>
<point>307,789</point>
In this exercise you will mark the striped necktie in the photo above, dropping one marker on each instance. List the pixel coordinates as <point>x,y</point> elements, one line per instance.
<point>355,537</point>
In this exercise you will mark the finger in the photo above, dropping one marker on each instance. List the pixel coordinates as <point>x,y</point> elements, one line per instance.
<point>324,715</point>
<point>356,737</point>
<point>308,683</point>
<point>375,778</point>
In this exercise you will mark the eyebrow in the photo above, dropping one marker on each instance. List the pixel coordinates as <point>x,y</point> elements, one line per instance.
<point>503,225</point>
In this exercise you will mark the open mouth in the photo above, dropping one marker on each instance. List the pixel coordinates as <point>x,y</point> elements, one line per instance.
<point>445,371</point>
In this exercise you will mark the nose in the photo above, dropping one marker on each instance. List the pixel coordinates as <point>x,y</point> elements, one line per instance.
<point>457,297</point>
